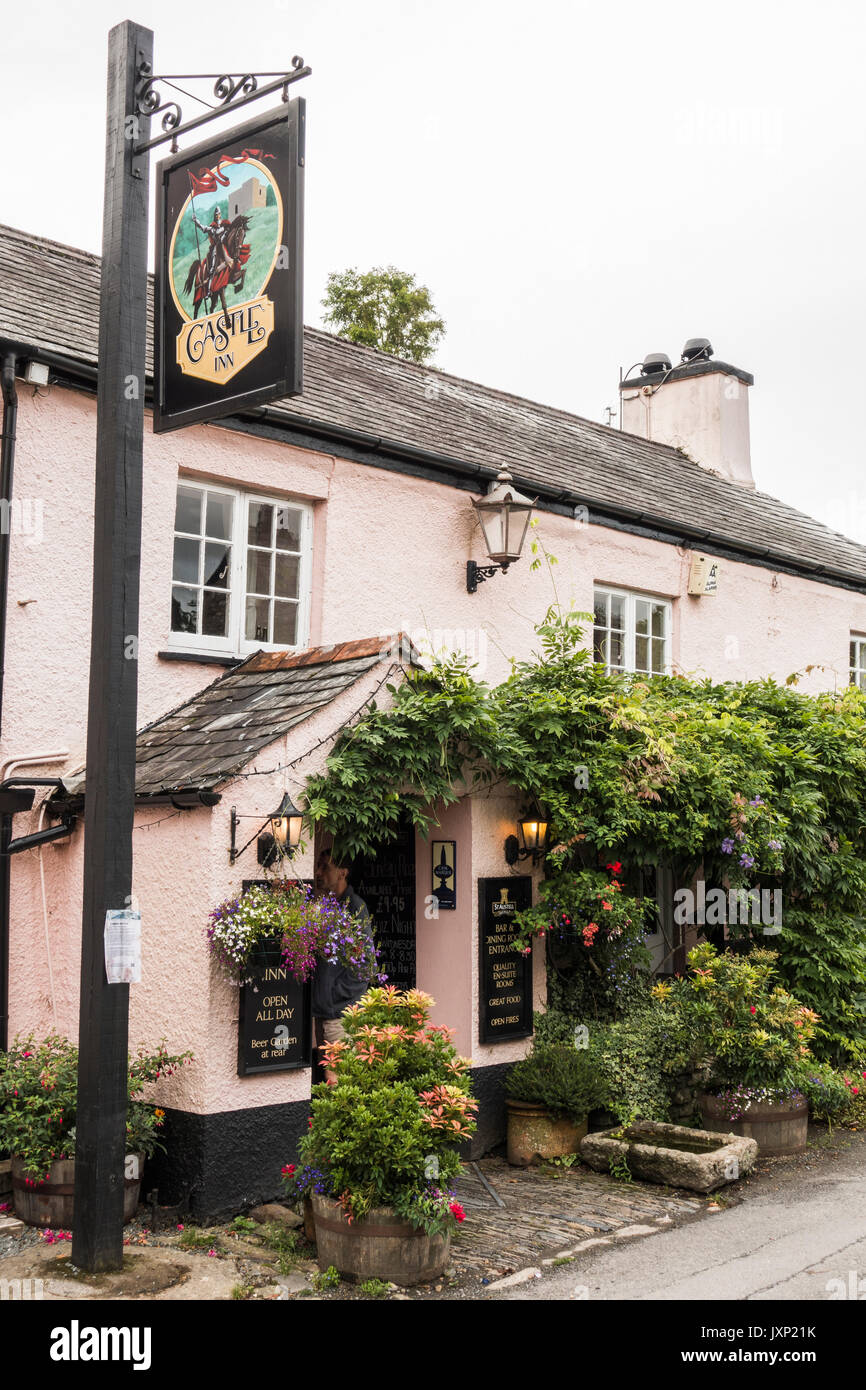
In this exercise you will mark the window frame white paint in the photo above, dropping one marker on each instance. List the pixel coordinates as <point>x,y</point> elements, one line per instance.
<point>630,598</point>
<point>236,644</point>
<point>857,672</point>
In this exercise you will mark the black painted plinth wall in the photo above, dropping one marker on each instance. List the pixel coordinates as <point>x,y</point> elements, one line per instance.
<point>488,1088</point>
<point>217,1165</point>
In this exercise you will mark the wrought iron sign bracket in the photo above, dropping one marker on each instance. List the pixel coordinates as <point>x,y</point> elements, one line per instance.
<point>230,92</point>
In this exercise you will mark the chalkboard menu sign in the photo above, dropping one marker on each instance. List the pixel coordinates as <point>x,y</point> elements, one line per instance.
<point>505,974</point>
<point>386,883</point>
<point>274,1022</point>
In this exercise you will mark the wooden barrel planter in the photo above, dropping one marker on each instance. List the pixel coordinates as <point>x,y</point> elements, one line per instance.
<point>309,1221</point>
<point>50,1203</point>
<point>778,1128</point>
<point>380,1246</point>
<point>533,1134</point>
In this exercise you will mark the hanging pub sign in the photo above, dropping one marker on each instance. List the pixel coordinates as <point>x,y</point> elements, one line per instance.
<point>228,302</point>
<point>505,973</point>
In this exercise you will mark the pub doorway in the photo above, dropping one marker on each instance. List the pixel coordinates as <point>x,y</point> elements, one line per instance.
<point>386,882</point>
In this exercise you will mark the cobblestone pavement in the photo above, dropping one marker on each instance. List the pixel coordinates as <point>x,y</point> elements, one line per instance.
<point>547,1212</point>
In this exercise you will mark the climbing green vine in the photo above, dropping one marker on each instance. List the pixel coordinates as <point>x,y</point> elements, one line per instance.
<point>753,784</point>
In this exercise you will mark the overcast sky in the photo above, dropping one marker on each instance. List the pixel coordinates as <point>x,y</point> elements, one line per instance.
<point>578,184</point>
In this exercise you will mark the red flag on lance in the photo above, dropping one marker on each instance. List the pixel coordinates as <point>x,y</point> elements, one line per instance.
<point>207,179</point>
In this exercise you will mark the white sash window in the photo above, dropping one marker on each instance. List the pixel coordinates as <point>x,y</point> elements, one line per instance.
<point>240,570</point>
<point>632,632</point>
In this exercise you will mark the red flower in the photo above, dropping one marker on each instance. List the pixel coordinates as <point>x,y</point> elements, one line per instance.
<point>608,907</point>
<point>310,1123</point>
<point>752,1009</point>
<point>855,1090</point>
<point>288,1169</point>
<point>457,1211</point>
<point>614,868</point>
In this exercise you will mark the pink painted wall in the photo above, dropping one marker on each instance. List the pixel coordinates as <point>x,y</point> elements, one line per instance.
<point>389,554</point>
<point>181,870</point>
<point>444,962</point>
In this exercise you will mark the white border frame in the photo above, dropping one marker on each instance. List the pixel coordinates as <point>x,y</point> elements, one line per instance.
<point>855,672</point>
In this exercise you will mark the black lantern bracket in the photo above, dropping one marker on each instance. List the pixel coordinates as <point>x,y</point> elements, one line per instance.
<point>270,850</point>
<point>230,92</point>
<point>476,574</point>
<point>234,852</point>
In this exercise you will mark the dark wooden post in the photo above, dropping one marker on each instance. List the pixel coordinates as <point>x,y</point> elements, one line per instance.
<point>110,786</point>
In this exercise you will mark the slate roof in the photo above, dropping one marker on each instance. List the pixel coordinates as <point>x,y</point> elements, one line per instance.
<point>49,300</point>
<point>211,737</point>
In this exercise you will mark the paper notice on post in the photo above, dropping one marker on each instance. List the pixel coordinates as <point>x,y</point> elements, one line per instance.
<point>123,947</point>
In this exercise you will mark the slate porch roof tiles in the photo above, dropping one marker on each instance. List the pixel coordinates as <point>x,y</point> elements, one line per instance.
<point>210,738</point>
<point>49,298</point>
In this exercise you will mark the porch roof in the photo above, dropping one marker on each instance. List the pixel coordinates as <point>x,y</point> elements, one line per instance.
<point>211,737</point>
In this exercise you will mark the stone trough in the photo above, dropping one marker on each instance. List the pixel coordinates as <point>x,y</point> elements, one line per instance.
<point>672,1154</point>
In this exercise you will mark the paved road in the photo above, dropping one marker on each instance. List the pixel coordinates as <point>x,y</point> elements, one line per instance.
<point>796,1230</point>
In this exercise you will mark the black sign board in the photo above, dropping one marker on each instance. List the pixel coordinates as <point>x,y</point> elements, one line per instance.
<point>228,331</point>
<point>275,1030</point>
<point>386,882</point>
<point>445,874</point>
<point>505,974</point>
<point>274,1025</point>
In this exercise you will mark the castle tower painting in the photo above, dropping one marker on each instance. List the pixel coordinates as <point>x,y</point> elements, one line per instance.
<point>251,194</point>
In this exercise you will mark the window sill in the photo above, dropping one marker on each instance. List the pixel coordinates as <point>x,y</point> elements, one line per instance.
<point>201,658</point>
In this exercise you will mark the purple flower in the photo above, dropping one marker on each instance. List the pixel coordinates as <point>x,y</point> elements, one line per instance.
<point>775,844</point>
<point>757,801</point>
<point>727,846</point>
<point>746,861</point>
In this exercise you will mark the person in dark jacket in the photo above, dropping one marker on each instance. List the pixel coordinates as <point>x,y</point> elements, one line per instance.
<point>334,986</point>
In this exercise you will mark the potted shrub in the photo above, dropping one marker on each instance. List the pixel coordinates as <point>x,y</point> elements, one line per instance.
<point>549,1096</point>
<point>285,925</point>
<point>381,1153</point>
<point>38,1096</point>
<point>754,1037</point>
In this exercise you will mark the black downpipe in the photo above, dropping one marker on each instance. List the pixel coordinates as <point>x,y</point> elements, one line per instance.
<point>7,460</point>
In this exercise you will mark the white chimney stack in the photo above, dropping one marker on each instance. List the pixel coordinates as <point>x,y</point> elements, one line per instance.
<point>700,406</point>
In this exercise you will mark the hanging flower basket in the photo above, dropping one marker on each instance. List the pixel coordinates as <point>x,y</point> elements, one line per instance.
<point>266,952</point>
<point>285,925</point>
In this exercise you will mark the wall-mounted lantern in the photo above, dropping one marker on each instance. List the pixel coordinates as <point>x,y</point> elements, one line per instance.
<point>280,842</point>
<point>285,834</point>
<point>504,516</point>
<point>533,835</point>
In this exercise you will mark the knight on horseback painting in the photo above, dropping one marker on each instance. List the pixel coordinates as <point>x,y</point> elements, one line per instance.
<point>224,263</point>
